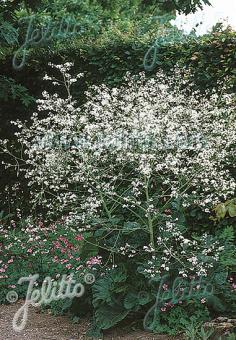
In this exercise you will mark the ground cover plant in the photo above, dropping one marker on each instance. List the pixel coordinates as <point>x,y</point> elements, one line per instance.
<point>142,177</point>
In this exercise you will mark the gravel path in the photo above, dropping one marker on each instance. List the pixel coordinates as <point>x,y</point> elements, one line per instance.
<point>43,326</point>
<point>40,326</point>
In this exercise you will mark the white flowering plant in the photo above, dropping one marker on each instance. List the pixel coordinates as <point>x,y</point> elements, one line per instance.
<point>125,168</point>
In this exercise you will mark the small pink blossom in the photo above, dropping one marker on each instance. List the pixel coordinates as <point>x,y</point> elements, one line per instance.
<point>165,286</point>
<point>79,237</point>
<point>93,261</point>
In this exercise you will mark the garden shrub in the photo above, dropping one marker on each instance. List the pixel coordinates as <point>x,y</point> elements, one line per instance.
<point>208,141</point>
<point>124,169</point>
<point>113,159</point>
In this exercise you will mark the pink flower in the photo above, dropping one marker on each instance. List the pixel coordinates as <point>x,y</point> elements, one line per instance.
<point>57,244</point>
<point>30,250</point>
<point>165,286</point>
<point>13,223</point>
<point>79,238</point>
<point>63,239</point>
<point>64,261</point>
<point>69,266</point>
<point>93,261</point>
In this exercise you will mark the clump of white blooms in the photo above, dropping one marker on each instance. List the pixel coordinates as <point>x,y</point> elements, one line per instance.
<point>188,256</point>
<point>146,130</point>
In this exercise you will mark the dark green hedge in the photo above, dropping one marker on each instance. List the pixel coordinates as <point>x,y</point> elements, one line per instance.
<point>211,58</point>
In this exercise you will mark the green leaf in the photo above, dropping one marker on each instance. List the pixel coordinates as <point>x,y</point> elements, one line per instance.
<point>221,278</point>
<point>67,304</point>
<point>106,316</point>
<point>216,303</point>
<point>144,298</point>
<point>227,234</point>
<point>131,300</point>
<point>119,275</point>
<point>232,210</point>
<point>102,291</point>
<point>220,210</point>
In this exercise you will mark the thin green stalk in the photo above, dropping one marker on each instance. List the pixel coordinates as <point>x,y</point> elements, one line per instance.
<point>150,223</point>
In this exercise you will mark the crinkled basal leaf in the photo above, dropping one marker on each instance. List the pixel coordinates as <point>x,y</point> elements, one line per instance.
<point>105,287</point>
<point>102,291</point>
<point>135,299</point>
<point>107,316</point>
<point>131,300</point>
<point>119,275</point>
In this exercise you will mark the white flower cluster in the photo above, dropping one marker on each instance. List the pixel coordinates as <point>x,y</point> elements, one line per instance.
<point>189,257</point>
<point>146,131</point>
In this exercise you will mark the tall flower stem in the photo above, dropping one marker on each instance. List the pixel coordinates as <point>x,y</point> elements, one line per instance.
<point>149,217</point>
